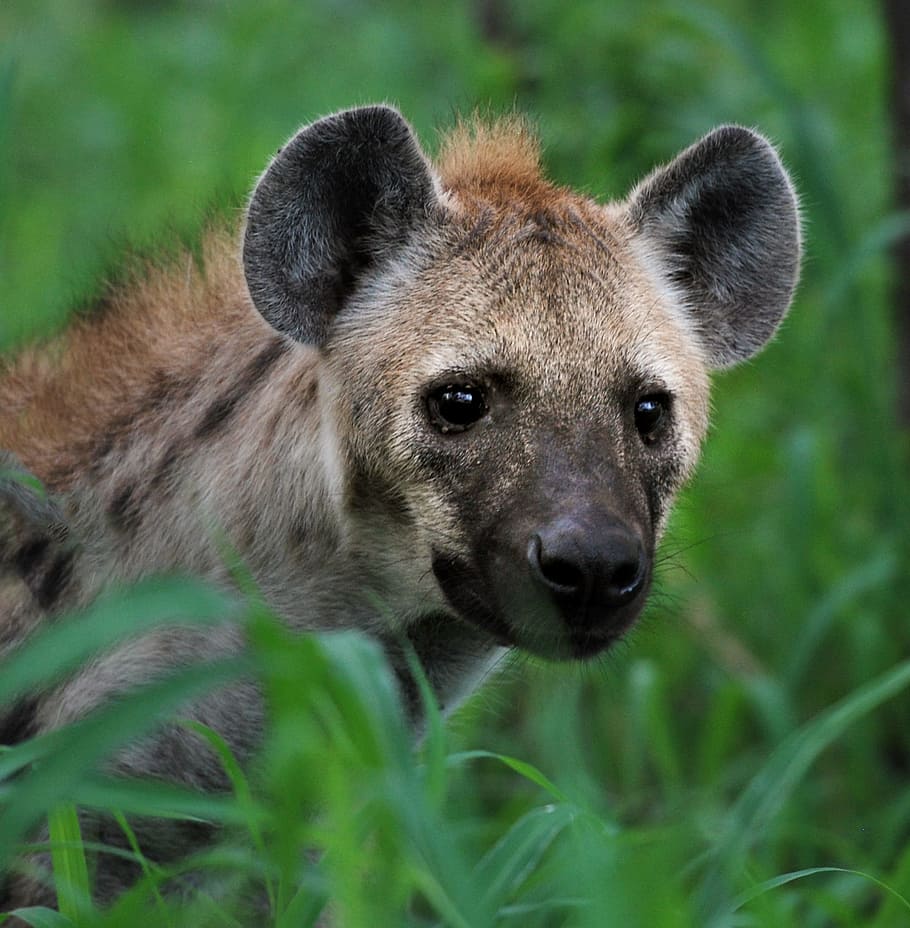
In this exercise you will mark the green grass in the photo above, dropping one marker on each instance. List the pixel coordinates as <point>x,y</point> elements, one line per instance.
<point>342,807</point>
<point>743,760</point>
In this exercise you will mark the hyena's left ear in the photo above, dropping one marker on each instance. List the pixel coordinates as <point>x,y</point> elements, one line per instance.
<point>720,224</point>
<point>343,194</point>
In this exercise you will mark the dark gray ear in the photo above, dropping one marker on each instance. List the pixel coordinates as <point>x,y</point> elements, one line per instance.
<point>721,223</point>
<point>343,194</point>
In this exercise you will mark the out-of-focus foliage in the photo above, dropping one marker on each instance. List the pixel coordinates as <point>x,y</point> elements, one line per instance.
<point>782,580</point>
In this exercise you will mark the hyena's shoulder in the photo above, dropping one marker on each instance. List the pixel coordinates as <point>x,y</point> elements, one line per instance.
<point>68,407</point>
<point>126,359</point>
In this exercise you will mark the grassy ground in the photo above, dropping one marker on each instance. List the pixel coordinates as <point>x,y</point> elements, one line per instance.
<point>743,760</point>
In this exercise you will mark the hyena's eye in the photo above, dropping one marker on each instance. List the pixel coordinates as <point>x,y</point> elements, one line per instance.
<point>454,407</point>
<point>651,415</point>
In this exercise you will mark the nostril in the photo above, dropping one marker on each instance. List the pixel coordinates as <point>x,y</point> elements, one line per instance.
<point>555,570</point>
<point>626,578</point>
<point>564,574</point>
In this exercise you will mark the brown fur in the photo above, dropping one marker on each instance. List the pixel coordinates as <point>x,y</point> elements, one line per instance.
<point>308,434</point>
<point>59,400</point>
<point>497,160</point>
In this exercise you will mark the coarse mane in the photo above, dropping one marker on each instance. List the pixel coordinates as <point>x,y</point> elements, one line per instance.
<point>496,159</point>
<point>146,331</point>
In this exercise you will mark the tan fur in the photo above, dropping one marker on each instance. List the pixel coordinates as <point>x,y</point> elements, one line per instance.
<point>176,417</point>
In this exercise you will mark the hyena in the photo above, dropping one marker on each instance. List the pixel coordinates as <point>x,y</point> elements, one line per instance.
<point>447,404</point>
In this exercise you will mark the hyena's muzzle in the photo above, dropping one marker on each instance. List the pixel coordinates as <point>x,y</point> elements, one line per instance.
<point>562,570</point>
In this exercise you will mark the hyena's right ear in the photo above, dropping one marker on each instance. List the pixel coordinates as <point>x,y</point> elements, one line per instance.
<point>342,194</point>
<point>720,225</point>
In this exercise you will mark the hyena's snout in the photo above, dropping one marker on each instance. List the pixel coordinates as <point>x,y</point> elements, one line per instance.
<point>594,569</point>
<point>564,581</point>
<point>588,570</point>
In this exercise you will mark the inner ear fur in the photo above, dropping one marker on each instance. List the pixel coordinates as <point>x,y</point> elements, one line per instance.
<point>343,194</point>
<point>721,224</point>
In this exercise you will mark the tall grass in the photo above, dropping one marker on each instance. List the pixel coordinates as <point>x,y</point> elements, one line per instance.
<point>342,810</point>
<point>743,760</point>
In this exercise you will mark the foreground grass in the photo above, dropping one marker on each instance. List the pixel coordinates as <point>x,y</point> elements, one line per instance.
<point>343,811</point>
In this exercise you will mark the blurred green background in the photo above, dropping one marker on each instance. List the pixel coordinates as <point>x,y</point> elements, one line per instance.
<point>784,579</point>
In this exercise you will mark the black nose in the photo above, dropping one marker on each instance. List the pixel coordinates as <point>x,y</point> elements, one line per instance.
<point>588,569</point>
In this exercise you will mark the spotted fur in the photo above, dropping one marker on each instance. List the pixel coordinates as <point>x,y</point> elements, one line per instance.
<point>282,390</point>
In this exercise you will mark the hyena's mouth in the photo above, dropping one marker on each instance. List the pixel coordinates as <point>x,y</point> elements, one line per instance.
<point>462,587</point>
<point>543,629</point>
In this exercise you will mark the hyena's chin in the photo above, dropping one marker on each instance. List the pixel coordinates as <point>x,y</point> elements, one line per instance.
<point>516,613</point>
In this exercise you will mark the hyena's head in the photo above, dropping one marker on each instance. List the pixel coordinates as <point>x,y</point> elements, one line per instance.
<point>518,376</point>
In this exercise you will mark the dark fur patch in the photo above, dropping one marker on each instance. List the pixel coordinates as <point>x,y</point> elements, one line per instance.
<point>123,510</point>
<point>31,555</point>
<point>54,581</point>
<point>590,232</point>
<point>19,722</point>
<point>300,532</point>
<point>372,493</point>
<point>309,391</point>
<point>224,406</point>
<point>475,237</point>
<point>164,388</point>
<point>461,582</point>
<point>218,413</point>
<point>394,649</point>
<point>165,465</point>
<point>546,228</point>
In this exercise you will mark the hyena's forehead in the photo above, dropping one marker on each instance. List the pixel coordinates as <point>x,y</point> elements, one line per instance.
<point>554,294</point>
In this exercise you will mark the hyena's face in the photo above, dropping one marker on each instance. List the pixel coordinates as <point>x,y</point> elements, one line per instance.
<point>518,376</point>
<point>521,412</point>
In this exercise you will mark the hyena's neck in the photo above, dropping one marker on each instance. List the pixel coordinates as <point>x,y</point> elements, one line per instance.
<point>180,428</point>
<point>229,466</point>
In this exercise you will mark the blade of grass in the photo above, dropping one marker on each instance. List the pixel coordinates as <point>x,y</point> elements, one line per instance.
<point>506,866</point>
<point>74,892</point>
<point>875,573</point>
<point>151,798</point>
<point>41,918</point>
<point>242,792</point>
<point>774,783</point>
<point>438,895</point>
<point>528,771</point>
<point>651,717</point>
<point>81,746</point>
<point>305,906</point>
<point>127,830</point>
<point>69,642</point>
<point>434,742</point>
<point>785,878</point>
<point>899,876</point>
<point>23,478</point>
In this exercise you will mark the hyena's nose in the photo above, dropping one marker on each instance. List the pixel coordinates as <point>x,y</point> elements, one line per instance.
<point>588,571</point>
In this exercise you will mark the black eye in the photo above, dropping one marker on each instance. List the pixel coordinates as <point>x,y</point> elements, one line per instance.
<point>455,407</point>
<point>651,414</point>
